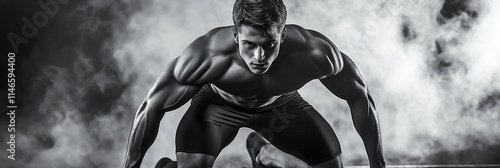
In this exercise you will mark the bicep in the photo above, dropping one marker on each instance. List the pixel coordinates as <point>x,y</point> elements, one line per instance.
<point>348,83</point>
<point>167,93</point>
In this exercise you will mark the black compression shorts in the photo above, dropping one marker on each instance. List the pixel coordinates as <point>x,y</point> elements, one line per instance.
<point>289,123</point>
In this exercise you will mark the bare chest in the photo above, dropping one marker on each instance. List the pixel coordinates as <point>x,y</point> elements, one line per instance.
<point>282,78</point>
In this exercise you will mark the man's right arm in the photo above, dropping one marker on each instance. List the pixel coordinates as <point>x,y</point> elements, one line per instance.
<point>167,94</point>
<point>183,78</point>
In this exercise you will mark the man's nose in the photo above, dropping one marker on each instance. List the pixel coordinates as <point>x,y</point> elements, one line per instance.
<point>259,54</point>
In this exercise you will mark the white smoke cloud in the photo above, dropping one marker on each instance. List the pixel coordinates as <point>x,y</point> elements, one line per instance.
<point>422,111</point>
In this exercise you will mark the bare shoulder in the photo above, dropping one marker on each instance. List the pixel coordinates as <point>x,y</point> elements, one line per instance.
<point>318,48</point>
<point>206,59</point>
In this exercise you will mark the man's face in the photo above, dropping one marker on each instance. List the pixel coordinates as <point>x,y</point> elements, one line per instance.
<point>258,47</point>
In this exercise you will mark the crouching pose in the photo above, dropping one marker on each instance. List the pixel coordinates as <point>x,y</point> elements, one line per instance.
<point>247,75</point>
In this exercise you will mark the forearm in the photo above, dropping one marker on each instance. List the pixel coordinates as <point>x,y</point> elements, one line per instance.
<point>142,135</point>
<point>367,125</point>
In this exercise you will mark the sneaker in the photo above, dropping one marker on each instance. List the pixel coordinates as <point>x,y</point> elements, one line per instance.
<point>254,144</point>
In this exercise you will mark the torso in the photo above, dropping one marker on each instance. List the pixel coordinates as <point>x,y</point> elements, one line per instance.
<point>292,69</point>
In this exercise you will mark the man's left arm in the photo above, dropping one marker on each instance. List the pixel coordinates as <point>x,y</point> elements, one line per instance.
<point>350,86</point>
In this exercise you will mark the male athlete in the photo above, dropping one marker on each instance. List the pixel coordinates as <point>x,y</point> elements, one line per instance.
<point>247,75</point>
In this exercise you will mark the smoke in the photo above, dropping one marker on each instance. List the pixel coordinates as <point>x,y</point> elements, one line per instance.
<point>431,67</point>
<point>73,99</point>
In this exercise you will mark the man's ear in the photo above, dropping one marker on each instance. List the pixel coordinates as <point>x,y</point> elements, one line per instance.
<point>283,35</point>
<point>235,34</point>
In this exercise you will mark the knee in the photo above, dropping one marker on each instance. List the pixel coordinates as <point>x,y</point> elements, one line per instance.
<point>198,160</point>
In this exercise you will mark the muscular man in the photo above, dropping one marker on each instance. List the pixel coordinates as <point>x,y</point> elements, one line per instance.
<point>247,75</point>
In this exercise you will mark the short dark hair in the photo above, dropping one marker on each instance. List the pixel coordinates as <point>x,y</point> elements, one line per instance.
<point>262,13</point>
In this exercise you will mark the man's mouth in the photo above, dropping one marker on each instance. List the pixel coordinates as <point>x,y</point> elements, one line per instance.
<point>258,65</point>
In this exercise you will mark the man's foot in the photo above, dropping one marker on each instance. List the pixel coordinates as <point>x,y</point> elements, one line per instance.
<point>254,145</point>
<point>166,163</point>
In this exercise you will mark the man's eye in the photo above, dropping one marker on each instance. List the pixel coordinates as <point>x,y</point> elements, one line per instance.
<point>271,45</point>
<point>248,45</point>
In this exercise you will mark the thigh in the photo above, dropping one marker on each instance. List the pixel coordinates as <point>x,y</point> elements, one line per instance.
<point>206,127</point>
<point>189,160</point>
<point>303,133</point>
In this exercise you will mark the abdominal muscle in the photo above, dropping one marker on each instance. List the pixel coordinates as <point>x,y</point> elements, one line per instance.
<point>246,102</point>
